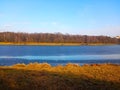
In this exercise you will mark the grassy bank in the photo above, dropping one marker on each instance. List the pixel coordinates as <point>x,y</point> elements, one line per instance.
<point>36,76</point>
<point>54,44</point>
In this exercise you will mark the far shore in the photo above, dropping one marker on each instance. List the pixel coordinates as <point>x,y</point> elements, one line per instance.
<point>56,44</point>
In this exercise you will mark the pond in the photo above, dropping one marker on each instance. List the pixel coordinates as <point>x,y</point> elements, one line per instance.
<point>55,55</point>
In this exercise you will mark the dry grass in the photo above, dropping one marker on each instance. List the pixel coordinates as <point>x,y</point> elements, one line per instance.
<point>53,44</point>
<point>35,76</point>
<point>45,44</point>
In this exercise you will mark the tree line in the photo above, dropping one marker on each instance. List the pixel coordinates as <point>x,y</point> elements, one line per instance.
<point>54,38</point>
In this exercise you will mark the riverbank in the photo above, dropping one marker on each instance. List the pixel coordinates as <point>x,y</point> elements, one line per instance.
<point>37,76</point>
<point>55,44</point>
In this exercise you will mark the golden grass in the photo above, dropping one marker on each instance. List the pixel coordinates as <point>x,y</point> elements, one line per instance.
<point>35,76</point>
<point>52,44</point>
<point>34,43</point>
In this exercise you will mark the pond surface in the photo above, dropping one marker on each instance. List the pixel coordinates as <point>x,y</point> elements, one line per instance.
<point>55,55</point>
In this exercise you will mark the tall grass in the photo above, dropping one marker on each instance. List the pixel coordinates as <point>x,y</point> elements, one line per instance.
<point>36,76</point>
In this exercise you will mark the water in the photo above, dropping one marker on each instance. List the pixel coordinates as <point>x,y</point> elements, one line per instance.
<point>55,55</point>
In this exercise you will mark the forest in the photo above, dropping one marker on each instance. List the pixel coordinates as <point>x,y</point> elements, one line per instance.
<point>21,37</point>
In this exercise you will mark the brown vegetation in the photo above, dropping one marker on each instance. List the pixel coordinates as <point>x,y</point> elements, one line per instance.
<point>10,38</point>
<point>35,76</point>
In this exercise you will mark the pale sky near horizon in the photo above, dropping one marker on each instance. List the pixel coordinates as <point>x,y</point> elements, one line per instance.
<point>84,17</point>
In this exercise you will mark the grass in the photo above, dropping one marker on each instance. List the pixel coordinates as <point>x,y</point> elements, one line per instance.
<point>36,76</point>
<point>53,44</point>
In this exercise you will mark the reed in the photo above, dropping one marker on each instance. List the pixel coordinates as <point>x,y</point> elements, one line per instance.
<point>38,76</point>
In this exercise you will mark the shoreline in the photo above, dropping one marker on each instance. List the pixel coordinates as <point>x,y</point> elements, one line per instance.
<point>37,64</point>
<point>54,44</point>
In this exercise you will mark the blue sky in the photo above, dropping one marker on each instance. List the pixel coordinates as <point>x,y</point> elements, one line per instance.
<point>85,17</point>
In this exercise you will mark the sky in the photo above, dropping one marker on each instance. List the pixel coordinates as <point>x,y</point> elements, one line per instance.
<point>83,17</point>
